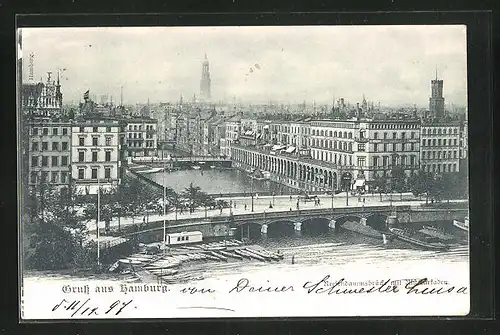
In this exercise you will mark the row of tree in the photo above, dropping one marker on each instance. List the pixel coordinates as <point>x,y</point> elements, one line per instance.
<point>435,187</point>
<point>55,220</point>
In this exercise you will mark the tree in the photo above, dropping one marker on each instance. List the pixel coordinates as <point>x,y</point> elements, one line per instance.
<point>398,179</point>
<point>380,183</point>
<point>53,234</point>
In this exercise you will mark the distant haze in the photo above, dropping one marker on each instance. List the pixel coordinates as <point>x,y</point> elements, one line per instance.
<point>390,64</point>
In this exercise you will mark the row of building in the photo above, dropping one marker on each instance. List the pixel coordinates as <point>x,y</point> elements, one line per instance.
<point>90,149</point>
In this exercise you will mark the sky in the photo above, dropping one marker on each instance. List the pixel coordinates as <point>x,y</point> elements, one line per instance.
<point>390,64</point>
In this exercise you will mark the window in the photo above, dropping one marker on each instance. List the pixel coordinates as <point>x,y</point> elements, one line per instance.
<point>375,161</point>
<point>108,156</point>
<point>95,129</point>
<point>33,177</point>
<point>439,142</point>
<point>34,161</point>
<point>64,177</point>
<point>34,131</point>
<point>434,142</point>
<point>64,160</point>
<point>44,160</point>
<point>108,140</point>
<point>54,161</point>
<point>412,135</point>
<point>94,156</point>
<point>44,176</point>
<point>94,173</point>
<point>444,142</point>
<point>45,131</point>
<point>394,135</point>
<point>108,129</point>
<point>34,146</point>
<point>350,135</point>
<point>375,135</point>
<point>130,127</point>
<point>412,160</point>
<point>455,131</point>
<point>45,146</point>
<point>81,141</point>
<point>107,172</point>
<point>385,146</point>
<point>81,156</point>
<point>55,176</point>
<point>81,173</point>
<point>55,146</point>
<point>385,136</point>
<point>361,147</point>
<point>95,141</point>
<point>64,146</point>
<point>82,129</point>
<point>403,134</point>
<point>455,154</point>
<point>361,161</point>
<point>412,146</point>
<point>64,132</point>
<point>54,131</point>
<point>455,141</point>
<point>375,147</point>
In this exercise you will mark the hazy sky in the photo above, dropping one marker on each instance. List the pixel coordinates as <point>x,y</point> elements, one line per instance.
<point>390,64</point>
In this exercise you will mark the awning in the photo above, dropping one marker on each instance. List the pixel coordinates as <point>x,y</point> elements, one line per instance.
<point>266,126</point>
<point>290,150</point>
<point>359,183</point>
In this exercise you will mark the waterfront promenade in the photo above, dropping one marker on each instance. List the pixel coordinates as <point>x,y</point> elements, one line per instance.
<point>279,204</point>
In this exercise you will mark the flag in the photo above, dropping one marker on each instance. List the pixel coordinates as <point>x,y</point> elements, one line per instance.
<point>86,95</point>
<point>257,66</point>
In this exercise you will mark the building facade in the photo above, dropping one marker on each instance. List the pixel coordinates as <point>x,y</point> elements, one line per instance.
<point>440,143</point>
<point>50,153</point>
<point>97,153</point>
<point>142,137</point>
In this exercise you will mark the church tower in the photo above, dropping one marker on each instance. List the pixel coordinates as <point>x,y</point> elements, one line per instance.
<point>205,82</point>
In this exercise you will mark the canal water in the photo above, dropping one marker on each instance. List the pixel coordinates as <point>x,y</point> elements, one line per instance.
<point>319,246</point>
<point>217,181</point>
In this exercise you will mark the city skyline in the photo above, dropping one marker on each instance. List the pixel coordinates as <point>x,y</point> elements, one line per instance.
<point>161,64</point>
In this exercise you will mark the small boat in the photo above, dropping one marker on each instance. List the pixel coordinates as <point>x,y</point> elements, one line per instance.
<point>365,230</point>
<point>196,167</point>
<point>436,232</point>
<point>230,254</point>
<point>417,239</point>
<point>462,225</point>
<point>242,254</point>
<point>212,166</point>
<point>129,262</point>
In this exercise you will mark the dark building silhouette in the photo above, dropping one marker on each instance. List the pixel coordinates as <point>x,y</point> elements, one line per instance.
<point>436,101</point>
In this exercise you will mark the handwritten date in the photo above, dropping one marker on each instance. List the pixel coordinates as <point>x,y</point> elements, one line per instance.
<point>87,309</point>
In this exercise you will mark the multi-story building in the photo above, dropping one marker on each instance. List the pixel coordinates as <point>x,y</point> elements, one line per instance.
<point>42,100</point>
<point>464,139</point>
<point>50,153</point>
<point>233,130</point>
<point>97,153</point>
<point>343,153</point>
<point>440,146</point>
<point>142,137</point>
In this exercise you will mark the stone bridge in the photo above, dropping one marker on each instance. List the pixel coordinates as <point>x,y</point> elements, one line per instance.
<point>373,215</point>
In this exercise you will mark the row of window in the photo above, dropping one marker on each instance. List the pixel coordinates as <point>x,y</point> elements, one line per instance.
<point>56,146</point>
<point>182,238</point>
<point>136,144</point>
<point>45,131</point>
<point>394,147</point>
<point>95,129</point>
<point>54,160</point>
<point>438,142</point>
<point>332,157</point>
<point>393,160</point>
<point>95,141</point>
<point>139,128</point>
<point>331,133</point>
<point>81,156</point>
<point>331,145</point>
<point>439,131</point>
<point>394,135</point>
<point>93,173</point>
<point>438,167</point>
<point>439,154</point>
<point>139,135</point>
<point>55,177</point>
<point>393,126</point>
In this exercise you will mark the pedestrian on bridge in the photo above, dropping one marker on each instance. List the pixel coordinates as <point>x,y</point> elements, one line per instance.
<point>245,206</point>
